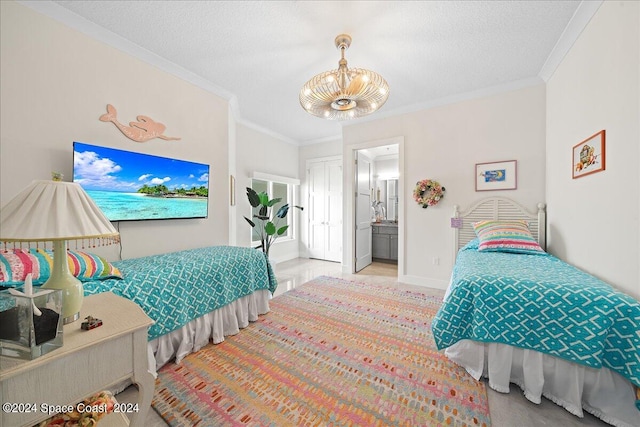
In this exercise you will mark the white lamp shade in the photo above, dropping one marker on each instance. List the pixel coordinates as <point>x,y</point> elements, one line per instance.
<point>53,210</point>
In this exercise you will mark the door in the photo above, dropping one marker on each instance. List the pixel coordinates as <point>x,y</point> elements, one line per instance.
<point>325,209</point>
<point>363,211</point>
<point>333,197</point>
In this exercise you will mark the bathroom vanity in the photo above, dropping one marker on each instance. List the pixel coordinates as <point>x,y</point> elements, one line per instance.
<point>384,240</point>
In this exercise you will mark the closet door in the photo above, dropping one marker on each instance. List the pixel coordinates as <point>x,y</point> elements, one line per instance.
<point>333,200</point>
<point>324,178</point>
<point>317,182</point>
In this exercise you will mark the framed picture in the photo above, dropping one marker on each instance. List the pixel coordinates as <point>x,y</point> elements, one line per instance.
<point>588,156</point>
<point>496,176</point>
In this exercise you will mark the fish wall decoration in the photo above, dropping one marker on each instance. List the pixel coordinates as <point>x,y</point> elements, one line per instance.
<point>141,131</point>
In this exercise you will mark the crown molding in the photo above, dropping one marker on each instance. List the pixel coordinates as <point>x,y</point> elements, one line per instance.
<point>448,100</point>
<point>578,22</point>
<point>332,138</point>
<point>266,131</point>
<point>72,20</point>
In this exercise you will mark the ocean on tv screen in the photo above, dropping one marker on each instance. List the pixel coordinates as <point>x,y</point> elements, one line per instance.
<point>138,206</point>
<point>136,186</point>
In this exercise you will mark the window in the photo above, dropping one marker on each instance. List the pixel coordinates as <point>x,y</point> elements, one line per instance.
<point>275,187</point>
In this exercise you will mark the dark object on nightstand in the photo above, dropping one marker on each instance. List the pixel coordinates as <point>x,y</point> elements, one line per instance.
<point>91,323</point>
<point>46,325</point>
<point>9,329</point>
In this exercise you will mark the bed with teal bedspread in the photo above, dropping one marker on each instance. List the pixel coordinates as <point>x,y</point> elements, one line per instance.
<point>548,306</point>
<point>176,288</point>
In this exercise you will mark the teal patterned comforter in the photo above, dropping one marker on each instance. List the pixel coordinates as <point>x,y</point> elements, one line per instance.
<point>541,303</point>
<point>177,287</point>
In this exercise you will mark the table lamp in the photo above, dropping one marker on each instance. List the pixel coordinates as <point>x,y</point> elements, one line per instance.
<point>56,211</point>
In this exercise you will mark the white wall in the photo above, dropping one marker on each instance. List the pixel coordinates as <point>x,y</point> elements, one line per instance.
<point>444,144</point>
<point>593,220</point>
<point>259,152</point>
<point>55,84</point>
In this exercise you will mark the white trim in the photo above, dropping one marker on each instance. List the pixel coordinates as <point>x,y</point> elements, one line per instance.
<point>448,100</point>
<point>277,260</point>
<point>578,22</point>
<point>581,17</point>
<point>424,281</point>
<point>275,178</point>
<point>322,140</point>
<point>348,247</point>
<point>292,231</point>
<point>322,159</point>
<point>386,157</point>
<point>233,210</point>
<point>263,129</point>
<point>70,19</point>
<point>78,23</point>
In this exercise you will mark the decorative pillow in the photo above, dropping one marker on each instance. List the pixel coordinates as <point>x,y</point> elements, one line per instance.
<point>16,264</point>
<point>506,236</point>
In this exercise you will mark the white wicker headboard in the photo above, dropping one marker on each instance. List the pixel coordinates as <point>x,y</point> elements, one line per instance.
<point>498,208</point>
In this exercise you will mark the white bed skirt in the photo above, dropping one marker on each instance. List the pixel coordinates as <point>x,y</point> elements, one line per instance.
<point>601,392</point>
<point>214,326</point>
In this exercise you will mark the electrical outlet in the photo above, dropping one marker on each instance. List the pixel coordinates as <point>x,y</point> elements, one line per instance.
<point>436,261</point>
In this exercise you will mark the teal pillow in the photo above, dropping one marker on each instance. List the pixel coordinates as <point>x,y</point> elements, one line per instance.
<point>473,244</point>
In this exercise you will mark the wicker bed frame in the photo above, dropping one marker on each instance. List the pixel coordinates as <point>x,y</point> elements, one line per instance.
<point>498,208</point>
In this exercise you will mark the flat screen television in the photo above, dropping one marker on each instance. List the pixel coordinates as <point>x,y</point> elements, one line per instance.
<point>130,186</point>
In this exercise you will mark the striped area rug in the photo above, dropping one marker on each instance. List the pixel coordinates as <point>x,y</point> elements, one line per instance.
<point>330,353</point>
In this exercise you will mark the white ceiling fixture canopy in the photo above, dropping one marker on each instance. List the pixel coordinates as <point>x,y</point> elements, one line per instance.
<point>344,93</point>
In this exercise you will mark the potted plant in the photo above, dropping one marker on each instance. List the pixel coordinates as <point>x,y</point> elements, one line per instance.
<point>268,227</point>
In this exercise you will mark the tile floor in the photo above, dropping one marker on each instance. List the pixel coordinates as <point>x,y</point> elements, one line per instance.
<point>507,410</point>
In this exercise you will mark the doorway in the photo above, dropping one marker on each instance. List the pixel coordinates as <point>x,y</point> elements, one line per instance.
<point>363,207</point>
<point>380,214</point>
<point>324,180</point>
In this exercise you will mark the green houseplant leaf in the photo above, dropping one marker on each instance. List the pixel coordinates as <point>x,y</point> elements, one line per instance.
<point>270,228</point>
<point>254,200</point>
<point>282,212</point>
<point>267,226</point>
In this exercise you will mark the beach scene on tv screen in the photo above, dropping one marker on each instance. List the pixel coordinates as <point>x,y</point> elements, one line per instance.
<point>135,186</point>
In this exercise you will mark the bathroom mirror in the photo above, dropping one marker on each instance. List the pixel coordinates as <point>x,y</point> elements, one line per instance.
<point>392,199</point>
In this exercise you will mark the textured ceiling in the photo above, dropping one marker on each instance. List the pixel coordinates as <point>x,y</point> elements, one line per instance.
<point>260,53</point>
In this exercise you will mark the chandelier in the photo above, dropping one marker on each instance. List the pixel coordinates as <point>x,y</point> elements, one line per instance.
<point>344,93</point>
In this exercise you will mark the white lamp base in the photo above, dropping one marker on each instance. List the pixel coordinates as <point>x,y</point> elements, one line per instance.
<point>61,278</point>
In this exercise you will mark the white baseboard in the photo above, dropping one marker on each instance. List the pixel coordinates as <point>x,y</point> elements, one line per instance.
<point>424,281</point>
<point>277,260</point>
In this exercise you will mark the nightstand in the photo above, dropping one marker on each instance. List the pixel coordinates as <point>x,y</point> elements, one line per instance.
<point>88,362</point>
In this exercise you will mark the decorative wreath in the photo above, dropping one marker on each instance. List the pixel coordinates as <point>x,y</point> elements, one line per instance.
<point>428,193</point>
